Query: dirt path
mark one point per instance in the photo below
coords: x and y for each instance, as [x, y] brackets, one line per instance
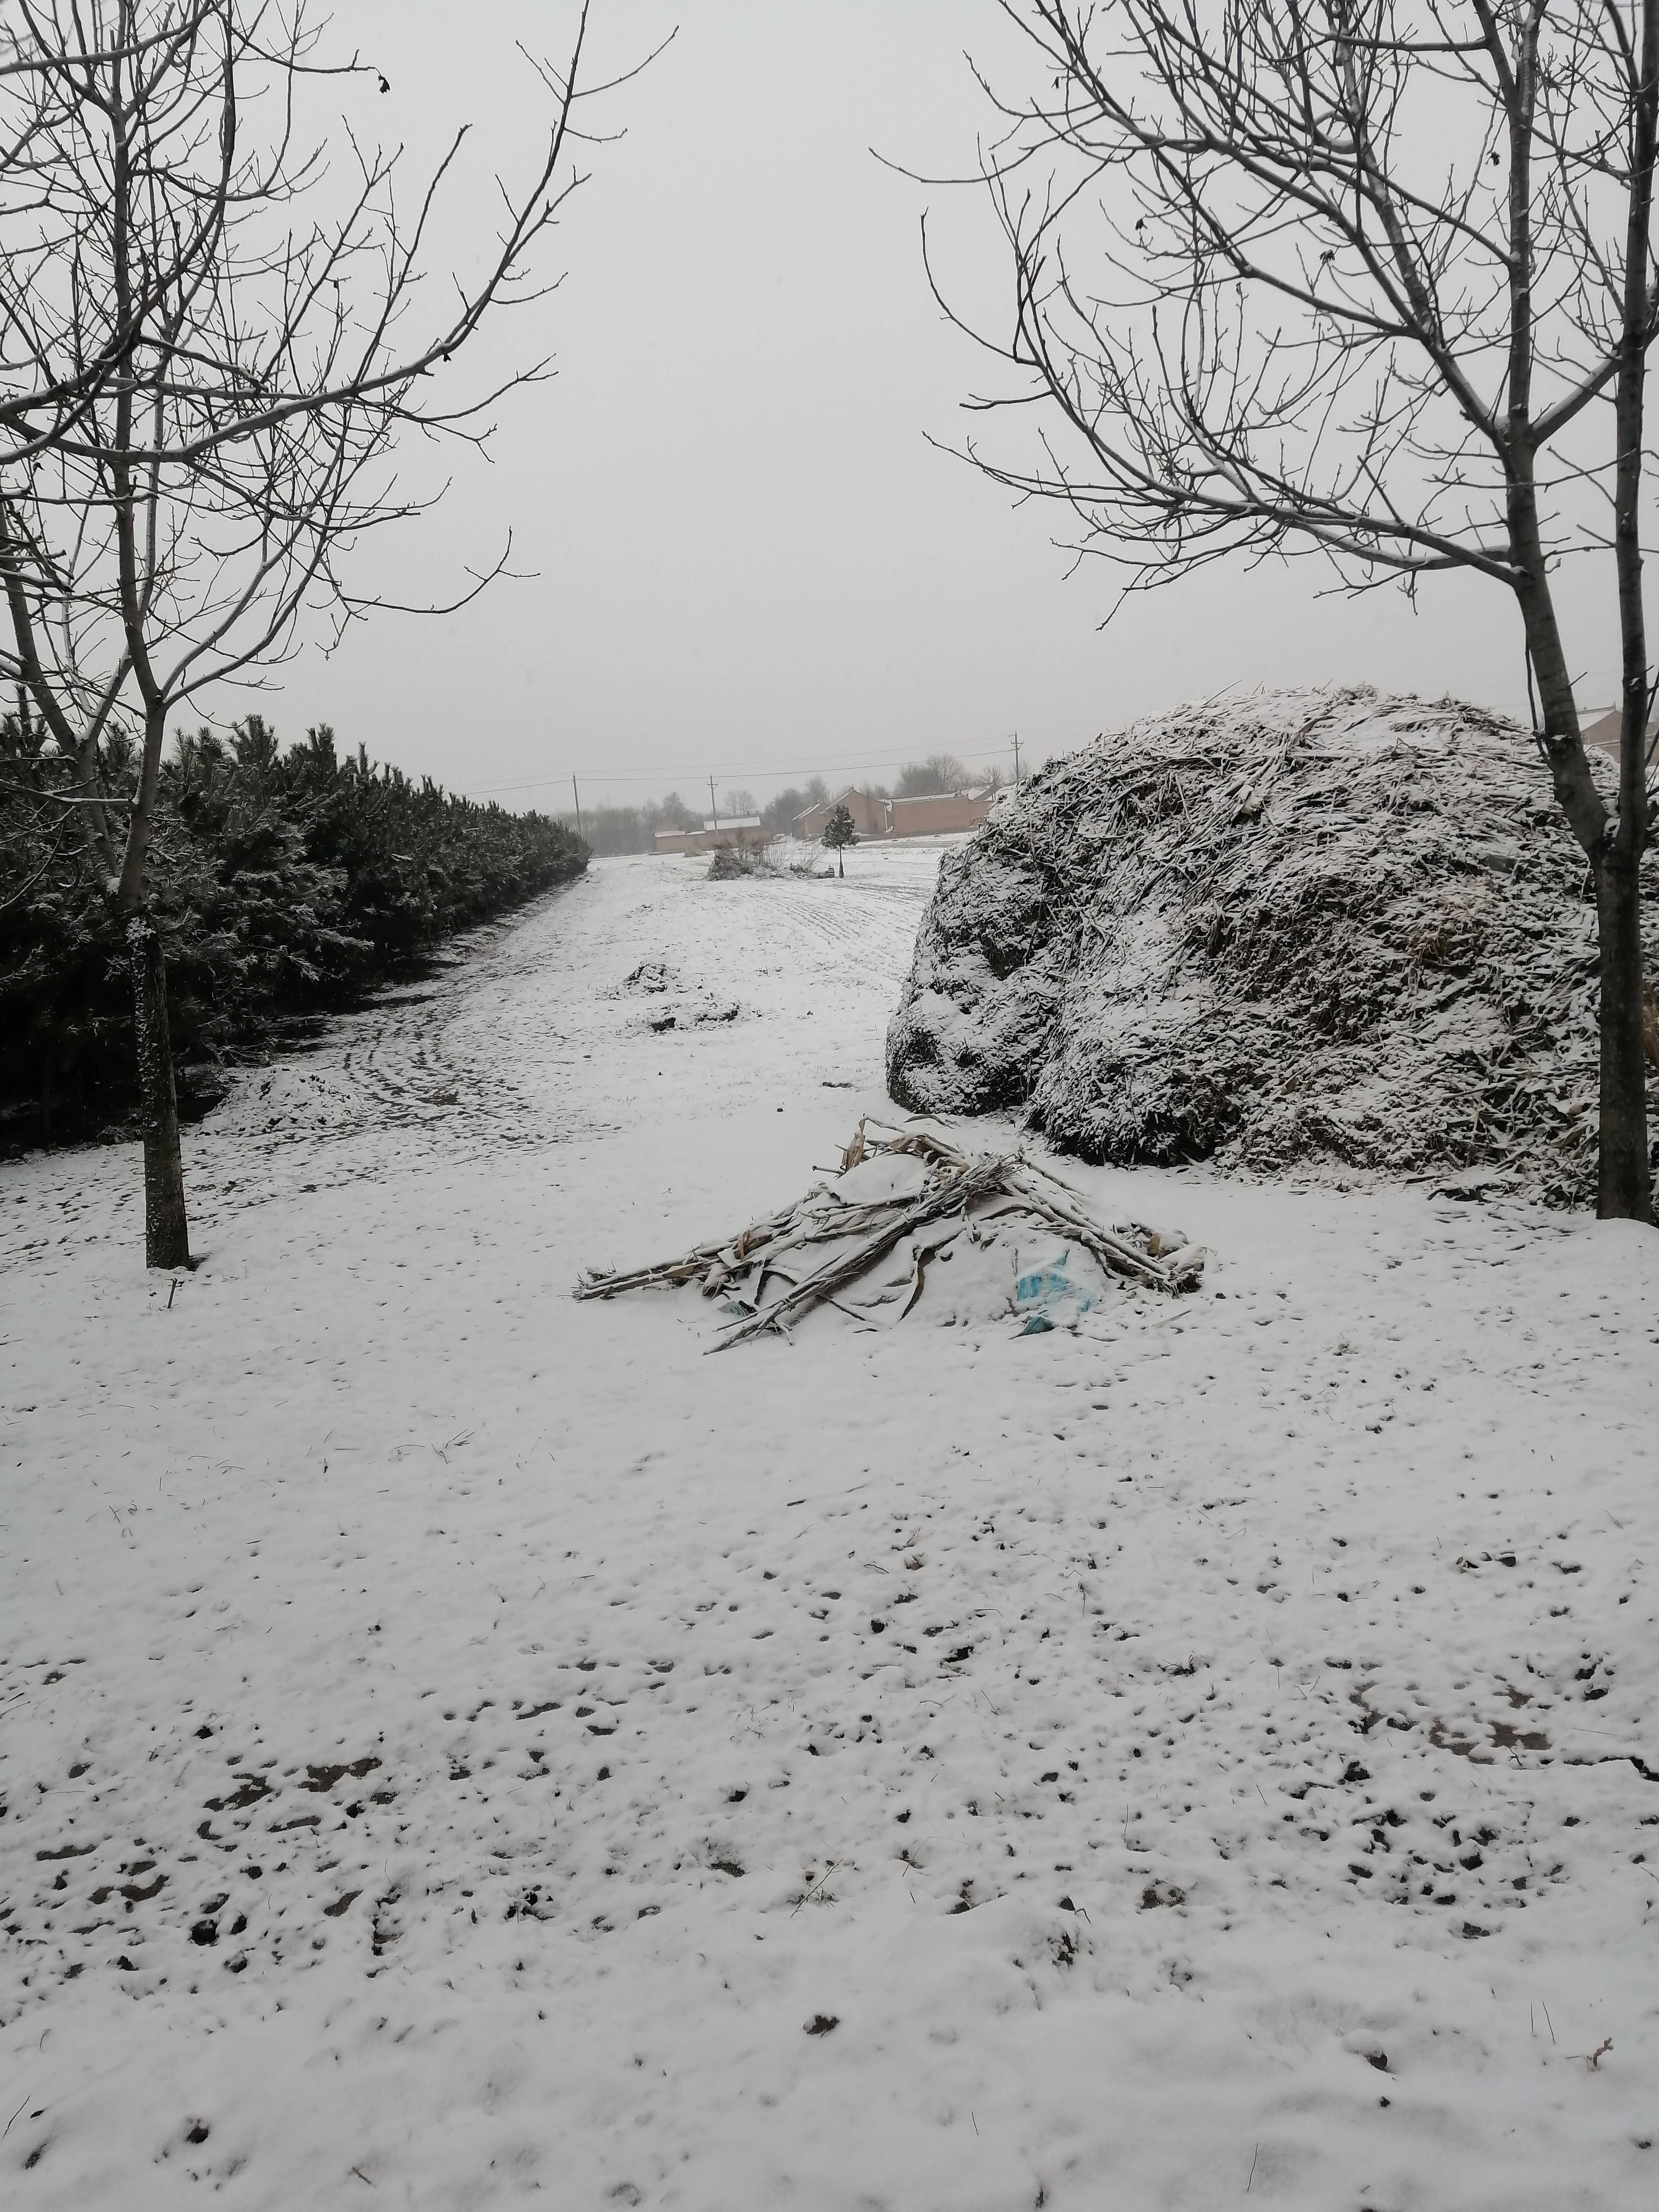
[458, 1743]
[495, 1052]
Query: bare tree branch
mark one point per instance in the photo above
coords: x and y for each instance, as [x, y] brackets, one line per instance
[208, 353]
[1359, 273]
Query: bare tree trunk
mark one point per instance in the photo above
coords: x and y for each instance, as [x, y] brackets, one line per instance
[1624, 1178]
[167, 1230]
[1625, 1181]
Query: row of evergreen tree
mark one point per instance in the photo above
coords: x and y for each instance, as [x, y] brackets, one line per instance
[285, 884]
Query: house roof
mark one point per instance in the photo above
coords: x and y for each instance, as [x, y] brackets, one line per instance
[932, 798]
[732, 822]
[838, 799]
[1604, 732]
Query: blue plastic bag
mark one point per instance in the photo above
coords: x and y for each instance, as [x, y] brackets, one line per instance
[1050, 1298]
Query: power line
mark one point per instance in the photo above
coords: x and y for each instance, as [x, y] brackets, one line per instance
[683, 774]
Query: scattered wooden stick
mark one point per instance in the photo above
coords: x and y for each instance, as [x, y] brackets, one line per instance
[956, 1194]
[600, 1283]
[865, 1231]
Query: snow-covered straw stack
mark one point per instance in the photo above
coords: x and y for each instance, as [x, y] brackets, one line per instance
[772, 1272]
[1320, 929]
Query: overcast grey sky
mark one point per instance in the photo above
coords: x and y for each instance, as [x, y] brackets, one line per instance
[748, 561]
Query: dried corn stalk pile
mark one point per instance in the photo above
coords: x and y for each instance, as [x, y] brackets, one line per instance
[1313, 929]
[815, 1251]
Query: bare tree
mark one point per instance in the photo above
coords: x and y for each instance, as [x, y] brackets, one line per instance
[1373, 279]
[778, 815]
[940, 773]
[209, 345]
[44, 389]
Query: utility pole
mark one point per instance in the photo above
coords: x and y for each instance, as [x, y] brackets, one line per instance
[713, 809]
[577, 796]
[1016, 760]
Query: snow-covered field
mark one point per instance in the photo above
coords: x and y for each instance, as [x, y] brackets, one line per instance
[458, 1743]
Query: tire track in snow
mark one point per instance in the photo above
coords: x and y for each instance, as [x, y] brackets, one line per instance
[880, 1679]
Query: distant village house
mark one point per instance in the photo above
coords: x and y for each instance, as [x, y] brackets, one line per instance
[1604, 734]
[936, 816]
[744, 832]
[875, 819]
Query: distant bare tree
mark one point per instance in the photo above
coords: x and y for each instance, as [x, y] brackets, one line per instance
[779, 811]
[739, 803]
[208, 348]
[1369, 278]
[940, 773]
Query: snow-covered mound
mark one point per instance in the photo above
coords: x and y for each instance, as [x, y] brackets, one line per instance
[1317, 926]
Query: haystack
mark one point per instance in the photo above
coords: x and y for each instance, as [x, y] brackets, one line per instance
[1325, 930]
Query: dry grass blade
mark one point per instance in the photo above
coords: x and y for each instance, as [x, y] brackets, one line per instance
[1112, 1252]
[957, 1194]
[704, 1260]
[864, 1230]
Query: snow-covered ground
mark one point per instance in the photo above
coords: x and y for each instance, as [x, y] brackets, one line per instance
[459, 1743]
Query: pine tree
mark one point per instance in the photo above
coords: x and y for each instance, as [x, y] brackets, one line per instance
[839, 832]
[283, 884]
